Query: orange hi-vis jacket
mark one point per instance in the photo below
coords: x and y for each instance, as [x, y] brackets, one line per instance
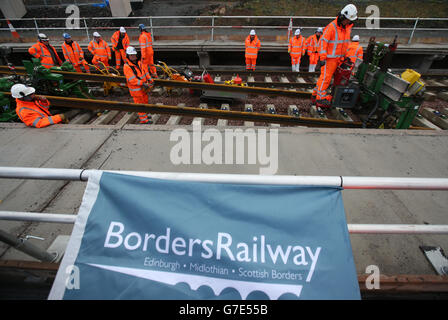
[35, 113]
[354, 51]
[115, 38]
[252, 47]
[42, 52]
[100, 51]
[312, 44]
[334, 41]
[73, 53]
[136, 81]
[145, 41]
[297, 46]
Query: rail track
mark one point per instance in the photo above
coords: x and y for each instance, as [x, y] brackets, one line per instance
[275, 98]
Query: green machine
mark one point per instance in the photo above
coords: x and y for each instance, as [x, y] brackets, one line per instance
[47, 82]
[7, 110]
[386, 100]
[380, 98]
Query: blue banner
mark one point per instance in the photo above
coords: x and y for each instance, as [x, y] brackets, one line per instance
[144, 238]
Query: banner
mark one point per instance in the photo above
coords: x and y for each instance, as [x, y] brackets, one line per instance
[145, 238]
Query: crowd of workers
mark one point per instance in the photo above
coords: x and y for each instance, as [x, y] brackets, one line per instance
[327, 48]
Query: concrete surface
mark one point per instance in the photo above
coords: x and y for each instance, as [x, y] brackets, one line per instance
[302, 151]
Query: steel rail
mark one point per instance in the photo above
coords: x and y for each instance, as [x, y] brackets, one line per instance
[257, 87]
[94, 105]
[211, 70]
[179, 84]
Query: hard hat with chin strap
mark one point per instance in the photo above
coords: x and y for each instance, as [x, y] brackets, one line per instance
[297, 32]
[141, 26]
[320, 29]
[122, 30]
[20, 90]
[66, 35]
[131, 50]
[355, 38]
[252, 32]
[350, 12]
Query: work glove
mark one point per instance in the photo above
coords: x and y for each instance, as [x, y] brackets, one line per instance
[322, 63]
[289, 50]
[64, 118]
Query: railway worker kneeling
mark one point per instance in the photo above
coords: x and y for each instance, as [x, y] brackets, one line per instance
[34, 110]
[139, 81]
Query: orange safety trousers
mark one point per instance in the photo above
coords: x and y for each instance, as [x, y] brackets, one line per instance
[85, 65]
[119, 56]
[143, 99]
[149, 62]
[251, 63]
[326, 74]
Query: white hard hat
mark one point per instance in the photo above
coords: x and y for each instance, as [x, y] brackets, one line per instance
[252, 32]
[122, 30]
[297, 32]
[96, 34]
[43, 36]
[131, 50]
[355, 38]
[320, 29]
[350, 12]
[20, 90]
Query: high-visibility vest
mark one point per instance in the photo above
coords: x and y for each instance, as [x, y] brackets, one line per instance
[297, 46]
[334, 41]
[100, 49]
[252, 47]
[36, 113]
[73, 52]
[312, 44]
[41, 52]
[145, 41]
[115, 38]
[354, 51]
[135, 80]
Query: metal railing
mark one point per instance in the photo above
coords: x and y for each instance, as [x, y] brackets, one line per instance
[346, 182]
[87, 25]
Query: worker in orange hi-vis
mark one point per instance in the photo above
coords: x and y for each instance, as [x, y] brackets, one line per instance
[34, 110]
[145, 41]
[100, 50]
[139, 81]
[73, 53]
[354, 50]
[253, 45]
[312, 47]
[296, 49]
[120, 42]
[333, 48]
[45, 52]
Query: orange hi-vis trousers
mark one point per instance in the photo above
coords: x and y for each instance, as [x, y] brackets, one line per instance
[149, 61]
[119, 55]
[142, 116]
[85, 64]
[326, 74]
[251, 63]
